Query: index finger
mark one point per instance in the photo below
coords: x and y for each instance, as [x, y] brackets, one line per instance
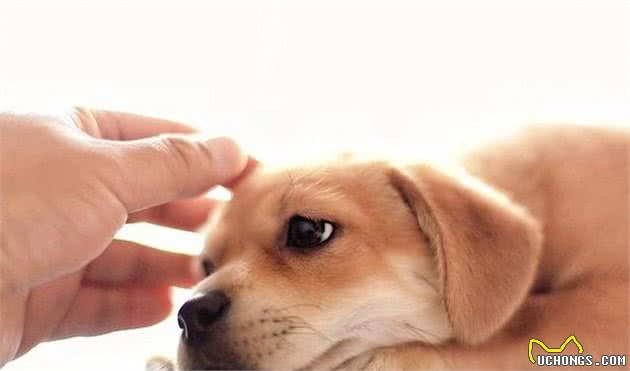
[186, 214]
[128, 126]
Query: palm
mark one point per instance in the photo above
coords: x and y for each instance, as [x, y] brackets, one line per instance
[57, 297]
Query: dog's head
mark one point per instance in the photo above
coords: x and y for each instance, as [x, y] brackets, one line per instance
[311, 266]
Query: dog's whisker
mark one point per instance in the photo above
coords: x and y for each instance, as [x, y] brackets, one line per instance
[312, 333]
[299, 327]
[316, 333]
[295, 323]
[420, 332]
[313, 330]
[429, 283]
[293, 318]
[316, 306]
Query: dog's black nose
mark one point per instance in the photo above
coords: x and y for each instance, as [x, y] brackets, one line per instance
[197, 315]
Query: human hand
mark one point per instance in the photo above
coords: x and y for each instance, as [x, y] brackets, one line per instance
[68, 183]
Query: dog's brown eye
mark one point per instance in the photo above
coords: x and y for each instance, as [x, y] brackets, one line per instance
[306, 233]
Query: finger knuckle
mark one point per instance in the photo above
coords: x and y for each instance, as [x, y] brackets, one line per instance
[180, 153]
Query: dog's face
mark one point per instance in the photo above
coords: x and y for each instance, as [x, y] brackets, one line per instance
[309, 267]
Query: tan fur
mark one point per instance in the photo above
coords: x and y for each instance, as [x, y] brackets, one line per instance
[482, 241]
[428, 268]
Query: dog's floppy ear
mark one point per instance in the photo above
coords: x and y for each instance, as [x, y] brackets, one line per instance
[486, 247]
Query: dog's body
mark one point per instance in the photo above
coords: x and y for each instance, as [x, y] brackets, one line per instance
[423, 268]
[575, 182]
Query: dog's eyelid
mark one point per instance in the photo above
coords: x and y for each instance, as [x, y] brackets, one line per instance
[312, 214]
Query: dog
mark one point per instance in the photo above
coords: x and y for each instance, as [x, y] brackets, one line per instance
[374, 265]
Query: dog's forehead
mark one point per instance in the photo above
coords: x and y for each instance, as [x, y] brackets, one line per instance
[309, 183]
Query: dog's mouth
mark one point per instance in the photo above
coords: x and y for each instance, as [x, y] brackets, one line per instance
[333, 357]
[251, 339]
[236, 349]
[190, 358]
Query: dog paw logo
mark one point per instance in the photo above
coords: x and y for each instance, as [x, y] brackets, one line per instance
[560, 349]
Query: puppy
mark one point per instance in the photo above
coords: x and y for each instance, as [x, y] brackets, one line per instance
[369, 265]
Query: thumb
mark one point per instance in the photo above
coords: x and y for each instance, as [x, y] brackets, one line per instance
[158, 170]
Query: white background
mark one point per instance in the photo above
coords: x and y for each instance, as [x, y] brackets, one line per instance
[298, 80]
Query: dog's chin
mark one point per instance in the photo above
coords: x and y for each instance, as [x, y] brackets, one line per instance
[204, 359]
[189, 358]
[196, 364]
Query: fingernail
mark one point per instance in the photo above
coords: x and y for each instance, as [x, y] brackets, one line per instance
[227, 157]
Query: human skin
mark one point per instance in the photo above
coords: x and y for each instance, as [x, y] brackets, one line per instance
[68, 183]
